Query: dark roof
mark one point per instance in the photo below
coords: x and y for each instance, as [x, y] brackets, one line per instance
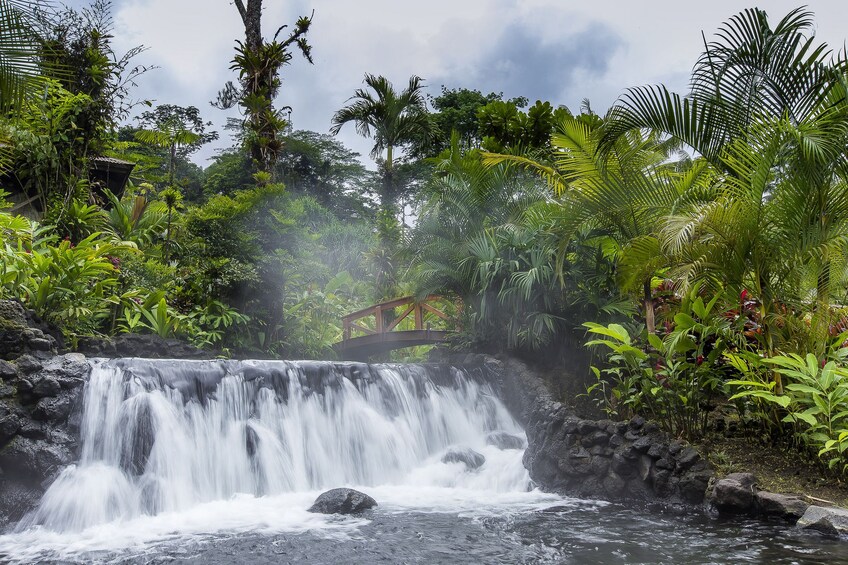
[112, 160]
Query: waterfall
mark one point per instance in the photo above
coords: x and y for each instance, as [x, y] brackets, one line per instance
[162, 437]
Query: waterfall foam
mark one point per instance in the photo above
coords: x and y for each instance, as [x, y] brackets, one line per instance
[167, 442]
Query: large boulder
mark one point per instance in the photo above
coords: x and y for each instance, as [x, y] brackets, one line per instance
[828, 521]
[503, 440]
[783, 506]
[471, 458]
[735, 494]
[342, 501]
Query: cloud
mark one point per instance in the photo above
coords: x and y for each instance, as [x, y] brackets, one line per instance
[521, 62]
[546, 49]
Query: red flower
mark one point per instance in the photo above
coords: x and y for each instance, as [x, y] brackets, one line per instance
[700, 359]
[743, 295]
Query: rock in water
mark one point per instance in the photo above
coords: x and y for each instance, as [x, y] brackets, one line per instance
[471, 458]
[828, 521]
[503, 440]
[342, 501]
[734, 494]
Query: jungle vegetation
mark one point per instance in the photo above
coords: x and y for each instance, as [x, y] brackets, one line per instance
[698, 242]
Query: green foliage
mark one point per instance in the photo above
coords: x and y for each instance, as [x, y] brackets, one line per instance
[673, 380]
[69, 284]
[20, 72]
[48, 148]
[503, 127]
[135, 219]
[456, 111]
[815, 403]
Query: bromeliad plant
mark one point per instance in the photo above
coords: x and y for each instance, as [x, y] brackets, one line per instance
[674, 380]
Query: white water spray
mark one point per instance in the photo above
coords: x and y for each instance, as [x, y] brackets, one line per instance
[163, 437]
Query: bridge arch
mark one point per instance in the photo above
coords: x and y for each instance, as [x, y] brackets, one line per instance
[367, 332]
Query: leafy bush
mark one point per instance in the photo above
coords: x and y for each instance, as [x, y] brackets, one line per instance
[673, 380]
[69, 284]
[815, 402]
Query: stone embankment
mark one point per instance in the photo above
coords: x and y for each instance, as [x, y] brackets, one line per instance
[40, 401]
[617, 461]
[633, 460]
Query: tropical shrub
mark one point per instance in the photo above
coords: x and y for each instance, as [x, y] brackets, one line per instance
[815, 402]
[69, 284]
[674, 380]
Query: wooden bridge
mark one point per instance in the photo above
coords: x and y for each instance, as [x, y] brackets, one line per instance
[381, 328]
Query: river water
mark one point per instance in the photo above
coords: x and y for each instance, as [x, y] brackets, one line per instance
[218, 461]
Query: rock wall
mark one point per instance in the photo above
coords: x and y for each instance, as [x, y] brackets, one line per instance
[40, 405]
[136, 345]
[594, 458]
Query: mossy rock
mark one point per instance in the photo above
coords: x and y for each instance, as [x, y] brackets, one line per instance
[12, 315]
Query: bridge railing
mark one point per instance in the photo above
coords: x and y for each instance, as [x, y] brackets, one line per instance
[360, 321]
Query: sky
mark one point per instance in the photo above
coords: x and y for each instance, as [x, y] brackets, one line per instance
[562, 51]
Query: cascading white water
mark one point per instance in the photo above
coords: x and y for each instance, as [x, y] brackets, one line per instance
[162, 437]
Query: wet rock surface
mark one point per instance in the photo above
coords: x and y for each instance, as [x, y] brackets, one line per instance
[40, 399]
[503, 440]
[735, 494]
[342, 501]
[827, 521]
[23, 333]
[471, 458]
[38, 427]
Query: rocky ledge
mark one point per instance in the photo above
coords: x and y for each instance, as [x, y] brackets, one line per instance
[40, 406]
[738, 494]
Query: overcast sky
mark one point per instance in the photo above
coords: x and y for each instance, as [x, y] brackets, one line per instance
[557, 50]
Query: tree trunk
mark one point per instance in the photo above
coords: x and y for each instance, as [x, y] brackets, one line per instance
[251, 16]
[648, 303]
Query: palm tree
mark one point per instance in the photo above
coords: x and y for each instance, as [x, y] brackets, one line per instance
[482, 236]
[171, 135]
[750, 73]
[622, 195]
[20, 68]
[393, 119]
[768, 108]
[19, 51]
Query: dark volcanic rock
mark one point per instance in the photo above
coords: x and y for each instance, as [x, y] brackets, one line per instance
[630, 460]
[734, 494]
[7, 370]
[503, 440]
[17, 499]
[828, 521]
[39, 422]
[342, 501]
[784, 506]
[28, 364]
[45, 386]
[471, 458]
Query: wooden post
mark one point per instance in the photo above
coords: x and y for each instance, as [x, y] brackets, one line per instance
[378, 312]
[346, 331]
[419, 317]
